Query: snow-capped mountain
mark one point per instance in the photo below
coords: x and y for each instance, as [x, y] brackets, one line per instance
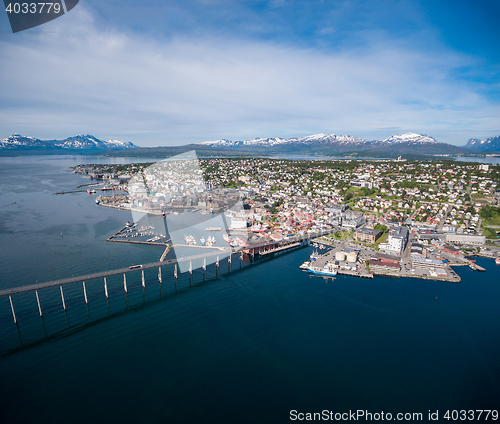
[254, 142]
[332, 144]
[491, 144]
[79, 142]
[89, 141]
[17, 140]
[410, 138]
[271, 142]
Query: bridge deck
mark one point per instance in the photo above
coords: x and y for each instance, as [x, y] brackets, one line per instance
[277, 244]
[102, 274]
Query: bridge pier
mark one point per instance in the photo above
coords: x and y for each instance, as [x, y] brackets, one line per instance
[62, 298]
[12, 307]
[85, 293]
[106, 288]
[143, 279]
[125, 282]
[38, 301]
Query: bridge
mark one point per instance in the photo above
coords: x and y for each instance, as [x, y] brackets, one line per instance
[262, 248]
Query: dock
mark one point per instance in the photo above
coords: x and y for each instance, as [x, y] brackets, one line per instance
[279, 249]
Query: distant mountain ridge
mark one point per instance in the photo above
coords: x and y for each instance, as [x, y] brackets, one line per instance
[17, 142]
[491, 144]
[317, 144]
[334, 144]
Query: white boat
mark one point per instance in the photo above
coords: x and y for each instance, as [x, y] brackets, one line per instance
[322, 271]
[305, 265]
[314, 256]
[190, 240]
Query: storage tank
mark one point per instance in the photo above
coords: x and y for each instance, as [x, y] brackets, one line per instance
[351, 257]
[340, 256]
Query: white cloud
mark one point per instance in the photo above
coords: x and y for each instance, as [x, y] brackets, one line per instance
[151, 92]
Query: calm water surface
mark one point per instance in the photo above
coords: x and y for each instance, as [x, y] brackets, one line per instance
[246, 344]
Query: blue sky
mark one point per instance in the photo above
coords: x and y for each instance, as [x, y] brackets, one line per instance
[176, 72]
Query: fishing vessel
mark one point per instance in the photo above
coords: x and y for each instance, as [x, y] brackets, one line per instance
[190, 240]
[322, 271]
[202, 241]
[210, 241]
[314, 256]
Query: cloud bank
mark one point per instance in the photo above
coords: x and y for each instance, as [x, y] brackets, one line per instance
[81, 78]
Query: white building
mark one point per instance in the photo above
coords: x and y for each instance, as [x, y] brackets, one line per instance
[396, 243]
[238, 224]
[465, 239]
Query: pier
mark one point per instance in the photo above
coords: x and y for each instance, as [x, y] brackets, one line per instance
[272, 246]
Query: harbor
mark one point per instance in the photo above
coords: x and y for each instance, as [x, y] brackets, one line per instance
[349, 258]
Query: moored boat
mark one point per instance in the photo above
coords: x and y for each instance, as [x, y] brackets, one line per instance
[190, 240]
[305, 265]
[322, 271]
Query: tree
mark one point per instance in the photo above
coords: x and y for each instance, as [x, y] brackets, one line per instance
[381, 227]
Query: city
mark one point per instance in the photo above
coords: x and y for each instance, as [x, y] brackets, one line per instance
[393, 218]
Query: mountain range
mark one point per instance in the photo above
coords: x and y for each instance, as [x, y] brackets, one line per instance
[318, 144]
[333, 144]
[491, 144]
[79, 143]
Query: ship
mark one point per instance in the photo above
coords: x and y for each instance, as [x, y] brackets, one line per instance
[190, 240]
[497, 261]
[202, 241]
[210, 241]
[322, 271]
[314, 256]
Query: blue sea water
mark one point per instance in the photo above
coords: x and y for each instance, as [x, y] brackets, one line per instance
[246, 343]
